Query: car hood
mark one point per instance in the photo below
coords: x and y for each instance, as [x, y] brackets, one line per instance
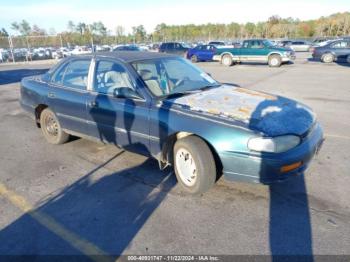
[258, 111]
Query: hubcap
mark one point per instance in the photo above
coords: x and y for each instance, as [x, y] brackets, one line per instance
[274, 61]
[226, 61]
[328, 58]
[51, 126]
[186, 167]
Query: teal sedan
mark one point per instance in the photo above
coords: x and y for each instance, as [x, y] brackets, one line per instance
[163, 106]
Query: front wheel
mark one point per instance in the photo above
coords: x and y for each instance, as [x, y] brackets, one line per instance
[194, 59]
[328, 58]
[275, 61]
[51, 128]
[194, 165]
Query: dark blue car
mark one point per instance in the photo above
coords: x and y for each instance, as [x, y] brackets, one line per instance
[201, 53]
[338, 50]
[163, 106]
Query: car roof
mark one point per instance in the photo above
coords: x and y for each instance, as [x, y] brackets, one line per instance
[131, 56]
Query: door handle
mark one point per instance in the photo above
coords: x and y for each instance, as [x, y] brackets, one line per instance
[51, 94]
[93, 104]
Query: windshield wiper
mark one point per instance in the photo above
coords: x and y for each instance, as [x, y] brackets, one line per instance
[209, 86]
[188, 92]
[178, 94]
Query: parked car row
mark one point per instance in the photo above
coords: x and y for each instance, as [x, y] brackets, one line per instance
[273, 53]
[253, 50]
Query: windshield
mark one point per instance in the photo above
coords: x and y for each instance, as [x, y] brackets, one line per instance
[167, 76]
[268, 43]
[186, 45]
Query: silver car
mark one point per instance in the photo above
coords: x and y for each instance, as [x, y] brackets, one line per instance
[300, 46]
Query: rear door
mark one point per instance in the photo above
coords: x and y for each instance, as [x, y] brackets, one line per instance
[200, 52]
[68, 94]
[244, 51]
[210, 51]
[256, 51]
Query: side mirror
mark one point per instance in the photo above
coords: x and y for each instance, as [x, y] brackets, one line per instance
[126, 92]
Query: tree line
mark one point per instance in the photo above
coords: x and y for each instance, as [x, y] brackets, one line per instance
[275, 27]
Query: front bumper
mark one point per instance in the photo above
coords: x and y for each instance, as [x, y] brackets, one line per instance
[288, 58]
[266, 168]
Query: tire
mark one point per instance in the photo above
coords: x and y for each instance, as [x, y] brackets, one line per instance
[348, 59]
[275, 61]
[201, 160]
[51, 128]
[194, 59]
[328, 58]
[226, 60]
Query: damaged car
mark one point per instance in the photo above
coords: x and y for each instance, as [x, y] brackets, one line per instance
[163, 106]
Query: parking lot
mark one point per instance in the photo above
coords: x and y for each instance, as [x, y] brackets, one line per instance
[87, 198]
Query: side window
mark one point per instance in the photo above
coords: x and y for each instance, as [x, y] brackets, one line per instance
[58, 75]
[110, 76]
[170, 46]
[245, 44]
[76, 74]
[341, 44]
[256, 44]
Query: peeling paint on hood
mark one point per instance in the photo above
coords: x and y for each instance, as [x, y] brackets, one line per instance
[269, 114]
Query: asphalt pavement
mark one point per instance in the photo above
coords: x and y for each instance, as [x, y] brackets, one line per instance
[89, 198]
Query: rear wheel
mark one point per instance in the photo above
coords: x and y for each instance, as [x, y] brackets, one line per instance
[194, 165]
[226, 60]
[275, 61]
[348, 59]
[328, 58]
[51, 128]
[194, 59]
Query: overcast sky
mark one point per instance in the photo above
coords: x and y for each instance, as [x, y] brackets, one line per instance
[130, 13]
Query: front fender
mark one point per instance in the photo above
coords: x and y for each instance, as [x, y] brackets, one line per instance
[222, 135]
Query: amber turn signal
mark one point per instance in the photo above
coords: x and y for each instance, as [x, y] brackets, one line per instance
[290, 167]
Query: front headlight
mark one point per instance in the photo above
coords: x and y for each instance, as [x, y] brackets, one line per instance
[277, 144]
[287, 53]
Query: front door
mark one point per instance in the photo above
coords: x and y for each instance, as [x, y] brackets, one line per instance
[341, 49]
[116, 112]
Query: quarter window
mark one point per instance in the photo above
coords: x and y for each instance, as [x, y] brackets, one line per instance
[58, 76]
[76, 74]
